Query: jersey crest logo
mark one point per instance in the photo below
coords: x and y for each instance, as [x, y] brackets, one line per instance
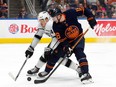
[72, 32]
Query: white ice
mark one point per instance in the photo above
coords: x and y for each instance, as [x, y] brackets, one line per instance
[102, 66]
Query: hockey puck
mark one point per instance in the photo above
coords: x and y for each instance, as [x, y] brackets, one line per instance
[29, 78]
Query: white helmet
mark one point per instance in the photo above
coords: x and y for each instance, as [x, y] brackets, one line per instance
[43, 15]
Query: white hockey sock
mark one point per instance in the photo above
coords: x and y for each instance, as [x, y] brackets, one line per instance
[69, 63]
[41, 62]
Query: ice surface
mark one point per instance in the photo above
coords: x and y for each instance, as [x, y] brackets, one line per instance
[101, 57]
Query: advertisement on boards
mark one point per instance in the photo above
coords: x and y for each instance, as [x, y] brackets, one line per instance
[27, 28]
[18, 28]
[105, 28]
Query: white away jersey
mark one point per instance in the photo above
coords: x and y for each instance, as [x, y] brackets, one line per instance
[47, 30]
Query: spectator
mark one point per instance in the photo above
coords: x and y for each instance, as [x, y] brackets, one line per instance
[75, 4]
[52, 5]
[22, 14]
[102, 2]
[83, 2]
[113, 12]
[62, 5]
[43, 4]
[55, 3]
[4, 10]
[103, 15]
[114, 15]
[23, 4]
[3, 1]
[101, 11]
[108, 8]
[68, 6]
[111, 1]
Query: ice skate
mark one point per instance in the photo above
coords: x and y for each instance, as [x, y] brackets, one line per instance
[33, 71]
[43, 74]
[86, 78]
[79, 71]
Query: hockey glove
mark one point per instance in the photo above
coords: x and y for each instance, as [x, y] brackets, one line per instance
[68, 51]
[47, 53]
[92, 22]
[29, 52]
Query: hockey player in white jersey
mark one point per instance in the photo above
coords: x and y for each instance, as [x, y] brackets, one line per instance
[45, 27]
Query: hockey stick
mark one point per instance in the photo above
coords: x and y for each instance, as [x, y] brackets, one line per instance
[15, 78]
[44, 80]
[11, 75]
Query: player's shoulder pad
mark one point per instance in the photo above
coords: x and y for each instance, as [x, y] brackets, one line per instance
[69, 11]
[80, 10]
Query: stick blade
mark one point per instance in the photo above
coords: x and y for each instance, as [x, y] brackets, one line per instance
[11, 75]
[39, 81]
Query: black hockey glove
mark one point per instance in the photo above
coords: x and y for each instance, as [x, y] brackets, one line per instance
[92, 22]
[68, 51]
[47, 53]
[29, 52]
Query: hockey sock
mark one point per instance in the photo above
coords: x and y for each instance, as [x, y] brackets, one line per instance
[69, 63]
[49, 66]
[84, 65]
[41, 62]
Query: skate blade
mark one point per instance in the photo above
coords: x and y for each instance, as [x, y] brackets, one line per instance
[88, 81]
[41, 77]
[31, 74]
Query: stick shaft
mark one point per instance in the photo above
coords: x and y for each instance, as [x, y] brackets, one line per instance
[21, 69]
[79, 39]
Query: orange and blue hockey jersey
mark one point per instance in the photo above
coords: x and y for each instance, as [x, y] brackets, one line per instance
[71, 28]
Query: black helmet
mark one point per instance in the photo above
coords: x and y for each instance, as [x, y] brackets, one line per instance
[54, 12]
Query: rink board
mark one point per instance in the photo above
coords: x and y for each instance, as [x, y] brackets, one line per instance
[22, 31]
[47, 40]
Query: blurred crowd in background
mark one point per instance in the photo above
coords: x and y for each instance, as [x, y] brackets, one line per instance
[100, 8]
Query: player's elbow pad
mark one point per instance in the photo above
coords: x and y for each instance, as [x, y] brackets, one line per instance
[92, 22]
